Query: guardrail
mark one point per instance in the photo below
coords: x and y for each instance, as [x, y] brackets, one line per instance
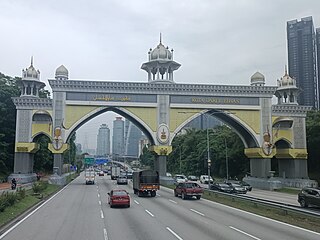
[282, 206]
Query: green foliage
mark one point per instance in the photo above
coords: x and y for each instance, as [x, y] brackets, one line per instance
[147, 157]
[8, 199]
[43, 158]
[313, 141]
[70, 154]
[38, 187]
[192, 149]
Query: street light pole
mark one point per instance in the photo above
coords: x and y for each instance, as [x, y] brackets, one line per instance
[208, 155]
[180, 158]
[227, 165]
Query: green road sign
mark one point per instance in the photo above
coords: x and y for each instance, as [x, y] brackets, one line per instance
[89, 161]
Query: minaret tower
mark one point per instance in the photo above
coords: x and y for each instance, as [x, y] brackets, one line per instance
[30, 84]
[287, 91]
[160, 66]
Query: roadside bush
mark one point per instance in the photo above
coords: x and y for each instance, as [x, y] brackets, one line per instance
[7, 199]
[38, 187]
[21, 193]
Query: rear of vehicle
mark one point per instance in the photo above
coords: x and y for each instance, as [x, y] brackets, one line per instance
[205, 179]
[188, 190]
[222, 187]
[89, 177]
[237, 188]
[119, 198]
[146, 182]
[180, 179]
[192, 178]
[122, 180]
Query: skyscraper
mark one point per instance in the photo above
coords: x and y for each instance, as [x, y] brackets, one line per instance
[302, 59]
[103, 141]
[318, 62]
[118, 137]
[132, 137]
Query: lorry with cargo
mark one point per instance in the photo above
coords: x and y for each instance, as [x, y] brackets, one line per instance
[89, 176]
[115, 172]
[146, 182]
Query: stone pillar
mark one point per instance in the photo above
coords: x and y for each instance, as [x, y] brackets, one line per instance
[260, 167]
[160, 165]
[58, 163]
[293, 168]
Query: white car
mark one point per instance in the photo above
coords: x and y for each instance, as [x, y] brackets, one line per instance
[180, 178]
[205, 179]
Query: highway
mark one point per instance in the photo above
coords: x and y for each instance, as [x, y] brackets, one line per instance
[81, 212]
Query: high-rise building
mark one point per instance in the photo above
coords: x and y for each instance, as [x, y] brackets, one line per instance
[118, 137]
[302, 59]
[132, 137]
[318, 62]
[103, 141]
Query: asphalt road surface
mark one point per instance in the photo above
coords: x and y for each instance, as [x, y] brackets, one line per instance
[81, 212]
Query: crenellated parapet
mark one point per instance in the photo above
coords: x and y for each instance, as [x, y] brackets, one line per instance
[32, 103]
[290, 110]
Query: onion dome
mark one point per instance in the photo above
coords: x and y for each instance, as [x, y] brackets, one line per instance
[257, 79]
[160, 52]
[62, 73]
[31, 73]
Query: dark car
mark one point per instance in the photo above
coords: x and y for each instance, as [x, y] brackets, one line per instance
[309, 196]
[221, 187]
[118, 197]
[237, 188]
[246, 185]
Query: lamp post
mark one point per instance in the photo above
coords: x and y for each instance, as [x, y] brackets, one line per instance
[208, 155]
[180, 158]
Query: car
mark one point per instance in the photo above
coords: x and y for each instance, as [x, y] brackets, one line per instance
[221, 187]
[246, 185]
[188, 190]
[118, 197]
[101, 173]
[205, 179]
[122, 179]
[129, 174]
[309, 196]
[179, 178]
[192, 178]
[237, 188]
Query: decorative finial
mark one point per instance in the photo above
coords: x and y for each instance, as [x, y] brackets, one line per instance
[31, 61]
[160, 39]
[285, 70]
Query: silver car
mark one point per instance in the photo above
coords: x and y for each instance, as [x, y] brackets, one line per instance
[122, 180]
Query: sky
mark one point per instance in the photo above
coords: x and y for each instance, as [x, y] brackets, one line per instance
[215, 41]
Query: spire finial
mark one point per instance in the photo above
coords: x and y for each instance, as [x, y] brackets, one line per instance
[285, 70]
[160, 38]
[31, 61]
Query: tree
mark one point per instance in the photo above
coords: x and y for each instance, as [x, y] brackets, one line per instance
[43, 158]
[147, 157]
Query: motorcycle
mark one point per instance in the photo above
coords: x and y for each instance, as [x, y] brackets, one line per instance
[13, 186]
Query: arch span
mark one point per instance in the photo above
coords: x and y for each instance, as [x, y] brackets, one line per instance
[247, 135]
[121, 111]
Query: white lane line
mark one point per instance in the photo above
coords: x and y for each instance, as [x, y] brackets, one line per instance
[176, 235]
[18, 223]
[173, 201]
[197, 212]
[238, 230]
[101, 213]
[98, 195]
[136, 202]
[99, 202]
[149, 213]
[105, 234]
[158, 195]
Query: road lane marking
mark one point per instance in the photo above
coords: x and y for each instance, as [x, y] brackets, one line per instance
[158, 195]
[176, 235]
[238, 230]
[99, 202]
[265, 218]
[136, 202]
[98, 195]
[102, 216]
[197, 212]
[173, 201]
[149, 213]
[18, 223]
[105, 234]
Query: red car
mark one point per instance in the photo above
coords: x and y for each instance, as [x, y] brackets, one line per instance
[188, 190]
[119, 197]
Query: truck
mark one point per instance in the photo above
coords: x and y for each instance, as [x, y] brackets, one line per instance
[146, 182]
[89, 176]
[188, 190]
[115, 172]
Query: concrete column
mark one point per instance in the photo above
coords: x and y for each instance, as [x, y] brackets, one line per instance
[160, 165]
[260, 167]
[23, 163]
[293, 168]
[58, 162]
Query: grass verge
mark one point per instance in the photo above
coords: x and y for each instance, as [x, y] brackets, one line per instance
[293, 191]
[300, 220]
[21, 206]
